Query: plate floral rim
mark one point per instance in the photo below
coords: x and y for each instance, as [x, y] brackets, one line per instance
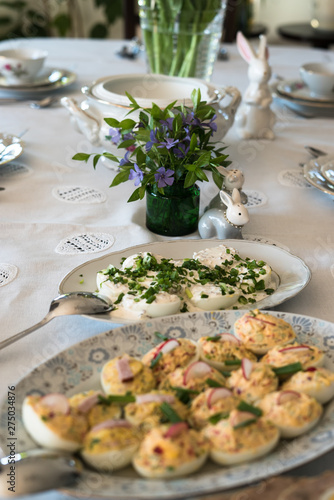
[78, 367]
[77, 280]
[297, 89]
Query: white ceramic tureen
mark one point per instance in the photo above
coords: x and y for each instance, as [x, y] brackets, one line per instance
[106, 98]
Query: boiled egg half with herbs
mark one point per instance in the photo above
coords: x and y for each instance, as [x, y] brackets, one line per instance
[126, 374]
[52, 423]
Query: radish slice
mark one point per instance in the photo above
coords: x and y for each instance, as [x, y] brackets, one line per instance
[124, 370]
[176, 429]
[110, 424]
[56, 402]
[197, 369]
[261, 320]
[217, 394]
[239, 417]
[167, 346]
[89, 402]
[285, 396]
[228, 337]
[298, 348]
[155, 398]
[311, 369]
[247, 367]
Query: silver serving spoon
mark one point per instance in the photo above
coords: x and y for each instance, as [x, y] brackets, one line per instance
[44, 103]
[37, 470]
[315, 152]
[68, 304]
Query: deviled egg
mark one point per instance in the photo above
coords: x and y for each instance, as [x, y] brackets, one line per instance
[261, 331]
[283, 355]
[147, 411]
[294, 413]
[95, 406]
[126, 374]
[111, 445]
[52, 423]
[223, 351]
[169, 355]
[213, 403]
[241, 438]
[252, 381]
[195, 378]
[209, 296]
[316, 382]
[171, 451]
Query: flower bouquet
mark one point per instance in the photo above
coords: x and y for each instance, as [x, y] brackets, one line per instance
[181, 37]
[166, 150]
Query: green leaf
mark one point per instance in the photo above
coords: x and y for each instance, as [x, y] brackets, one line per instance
[95, 160]
[112, 122]
[81, 157]
[110, 156]
[190, 179]
[127, 124]
[122, 176]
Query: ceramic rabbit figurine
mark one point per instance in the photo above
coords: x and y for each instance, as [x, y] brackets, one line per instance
[254, 118]
[217, 223]
[233, 178]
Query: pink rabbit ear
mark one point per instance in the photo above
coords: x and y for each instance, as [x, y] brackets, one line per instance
[245, 49]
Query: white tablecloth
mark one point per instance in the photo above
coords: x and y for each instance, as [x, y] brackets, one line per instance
[34, 222]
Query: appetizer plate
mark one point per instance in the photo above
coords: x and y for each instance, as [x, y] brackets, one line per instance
[51, 79]
[304, 107]
[290, 273]
[78, 368]
[316, 171]
[15, 148]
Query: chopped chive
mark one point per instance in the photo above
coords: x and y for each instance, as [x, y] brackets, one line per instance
[156, 360]
[160, 336]
[117, 398]
[288, 369]
[170, 413]
[243, 406]
[217, 417]
[230, 362]
[213, 383]
[119, 298]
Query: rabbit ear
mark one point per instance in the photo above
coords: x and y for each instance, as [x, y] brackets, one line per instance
[245, 49]
[223, 170]
[263, 52]
[226, 198]
[236, 198]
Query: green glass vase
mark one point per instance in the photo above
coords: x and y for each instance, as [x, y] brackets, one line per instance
[174, 213]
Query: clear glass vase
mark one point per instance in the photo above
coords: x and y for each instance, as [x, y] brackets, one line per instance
[174, 213]
[182, 37]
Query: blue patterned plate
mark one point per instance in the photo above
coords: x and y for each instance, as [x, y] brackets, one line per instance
[78, 369]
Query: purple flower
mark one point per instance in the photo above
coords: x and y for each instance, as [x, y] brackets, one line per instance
[115, 135]
[212, 125]
[128, 137]
[181, 150]
[164, 177]
[153, 140]
[125, 160]
[169, 143]
[168, 123]
[136, 174]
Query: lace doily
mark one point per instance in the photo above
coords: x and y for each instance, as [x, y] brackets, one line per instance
[85, 243]
[293, 178]
[8, 273]
[78, 194]
[255, 198]
[13, 168]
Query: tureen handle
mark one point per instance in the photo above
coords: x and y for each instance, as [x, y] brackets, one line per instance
[82, 121]
[231, 108]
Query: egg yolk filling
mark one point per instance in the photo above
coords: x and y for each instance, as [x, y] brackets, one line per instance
[258, 328]
[143, 380]
[262, 380]
[225, 351]
[115, 439]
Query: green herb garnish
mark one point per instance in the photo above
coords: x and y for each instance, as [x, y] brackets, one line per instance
[231, 362]
[243, 406]
[217, 417]
[288, 369]
[156, 360]
[170, 413]
[213, 383]
[115, 398]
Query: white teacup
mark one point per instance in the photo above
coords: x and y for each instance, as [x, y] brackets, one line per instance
[20, 66]
[319, 77]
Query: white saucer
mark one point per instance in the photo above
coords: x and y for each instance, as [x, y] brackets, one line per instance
[50, 79]
[314, 175]
[303, 107]
[15, 147]
[296, 89]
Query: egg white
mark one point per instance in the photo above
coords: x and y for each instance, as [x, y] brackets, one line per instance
[225, 458]
[182, 470]
[289, 431]
[215, 300]
[42, 434]
[110, 460]
[321, 392]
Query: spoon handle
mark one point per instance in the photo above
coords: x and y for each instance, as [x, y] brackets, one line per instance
[22, 334]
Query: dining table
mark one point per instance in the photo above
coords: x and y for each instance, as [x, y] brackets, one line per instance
[57, 213]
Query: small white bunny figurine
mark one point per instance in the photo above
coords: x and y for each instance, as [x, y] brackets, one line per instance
[233, 178]
[254, 118]
[217, 223]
